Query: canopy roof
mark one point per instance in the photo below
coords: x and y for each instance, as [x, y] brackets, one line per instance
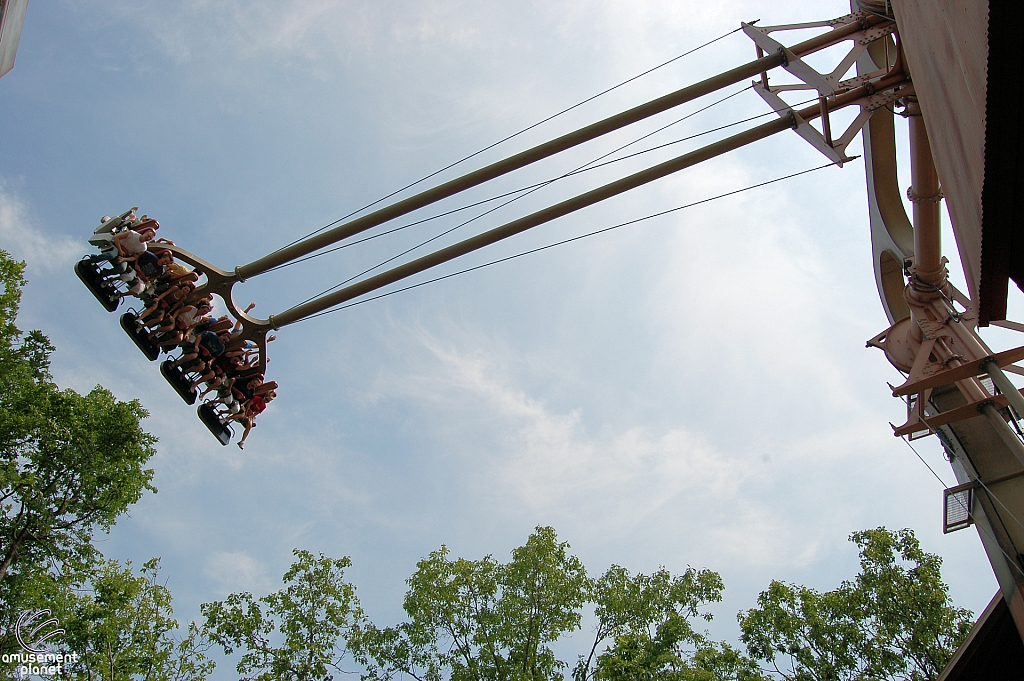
[965, 57]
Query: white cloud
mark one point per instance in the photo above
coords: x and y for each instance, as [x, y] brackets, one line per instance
[237, 571]
[25, 240]
[311, 30]
[549, 465]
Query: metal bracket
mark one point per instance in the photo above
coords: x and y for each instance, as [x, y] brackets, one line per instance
[220, 282]
[791, 63]
[828, 86]
[825, 84]
[835, 151]
[960, 373]
[833, 148]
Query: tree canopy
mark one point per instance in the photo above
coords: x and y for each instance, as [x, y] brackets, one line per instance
[68, 463]
[481, 619]
[121, 627]
[485, 620]
[895, 620]
[310, 619]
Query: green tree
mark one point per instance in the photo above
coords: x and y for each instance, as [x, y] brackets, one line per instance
[481, 619]
[811, 634]
[484, 620]
[69, 464]
[894, 621]
[309, 618]
[648, 620]
[476, 620]
[670, 654]
[121, 627]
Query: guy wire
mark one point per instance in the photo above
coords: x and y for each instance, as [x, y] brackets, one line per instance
[569, 240]
[505, 139]
[1009, 560]
[538, 185]
[532, 190]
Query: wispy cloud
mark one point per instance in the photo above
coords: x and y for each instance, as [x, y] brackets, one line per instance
[237, 571]
[548, 464]
[313, 30]
[24, 238]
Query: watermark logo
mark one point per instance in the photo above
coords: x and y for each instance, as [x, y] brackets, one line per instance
[34, 630]
[32, 639]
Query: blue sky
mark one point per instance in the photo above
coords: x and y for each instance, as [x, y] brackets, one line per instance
[692, 390]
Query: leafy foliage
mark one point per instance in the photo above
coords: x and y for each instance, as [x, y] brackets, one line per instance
[311, 614]
[484, 620]
[481, 619]
[121, 627]
[69, 464]
[894, 621]
[648, 619]
[665, 656]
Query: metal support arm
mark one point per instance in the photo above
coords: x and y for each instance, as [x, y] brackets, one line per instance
[542, 151]
[852, 97]
[522, 224]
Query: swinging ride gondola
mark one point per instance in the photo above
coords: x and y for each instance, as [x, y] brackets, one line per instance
[942, 65]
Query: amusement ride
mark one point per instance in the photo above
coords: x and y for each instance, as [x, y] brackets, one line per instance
[951, 68]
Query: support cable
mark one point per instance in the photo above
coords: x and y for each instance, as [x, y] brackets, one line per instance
[532, 220]
[926, 464]
[532, 189]
[502, 205]
[1009, 560]
[513, 135]
[550, 148]
[569, 240]
[585, 167]
[589, 198]
[508, 165]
